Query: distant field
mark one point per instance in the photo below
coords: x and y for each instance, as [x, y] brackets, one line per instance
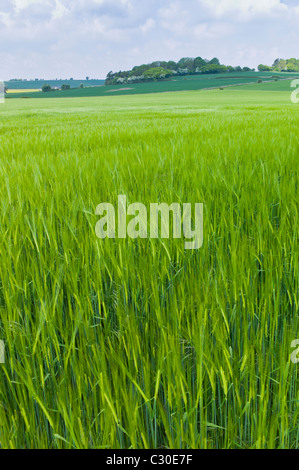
[37, 84]
[282, 85]
[186, 83]
[22, 91]
[140, 344]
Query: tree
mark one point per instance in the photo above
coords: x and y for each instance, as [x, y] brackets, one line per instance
[276, 62]
[186, 63]
[158, 63]
[87, 78]
[172, 65]
[65, 87]
[264, 68]
[46, 88]
[199, 63]
[214, 61]
[156, 73]
[293, 65]
[139, 70]
[160, 70]
[213, 68]
[82, 85]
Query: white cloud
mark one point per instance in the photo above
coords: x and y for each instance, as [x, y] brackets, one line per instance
[212, 30]
[90, 37]
[175, 18]
[148, 25]
[20, 5]
[60, 10]
[6, 20]
[245, 9]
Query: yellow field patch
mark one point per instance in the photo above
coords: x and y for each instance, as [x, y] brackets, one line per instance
[23, 91]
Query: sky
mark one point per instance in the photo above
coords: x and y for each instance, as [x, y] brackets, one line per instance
[79, 38]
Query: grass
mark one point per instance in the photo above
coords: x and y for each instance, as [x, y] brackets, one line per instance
[140, 344]
[281, 85]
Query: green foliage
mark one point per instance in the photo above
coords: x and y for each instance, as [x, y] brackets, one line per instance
[157, 72]
[213, 68]
[138, 71]
[199, 63]
[171, 65]
[65, 87]
[138, 343]
[185, 66]
[264, 68]
[214, 61]
[186, 63]
[46, 88]
[283, 65]
[293, 65]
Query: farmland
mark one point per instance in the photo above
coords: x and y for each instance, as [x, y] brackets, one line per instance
[139, 343]
[37, 84]
[33, 90]
[180, 83]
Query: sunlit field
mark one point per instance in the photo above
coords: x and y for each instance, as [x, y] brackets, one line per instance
[22, 91]
[141, 343]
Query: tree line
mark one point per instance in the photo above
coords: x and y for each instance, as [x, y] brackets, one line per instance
[47, 88]
[281, 65]
[161, 70]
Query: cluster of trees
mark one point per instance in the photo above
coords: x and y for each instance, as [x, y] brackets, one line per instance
[281, 65]
[163, 70]
[47, 88]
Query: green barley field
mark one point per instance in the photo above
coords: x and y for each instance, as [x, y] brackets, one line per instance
[119, 344]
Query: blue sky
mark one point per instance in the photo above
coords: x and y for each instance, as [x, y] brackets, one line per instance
[79, 38]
